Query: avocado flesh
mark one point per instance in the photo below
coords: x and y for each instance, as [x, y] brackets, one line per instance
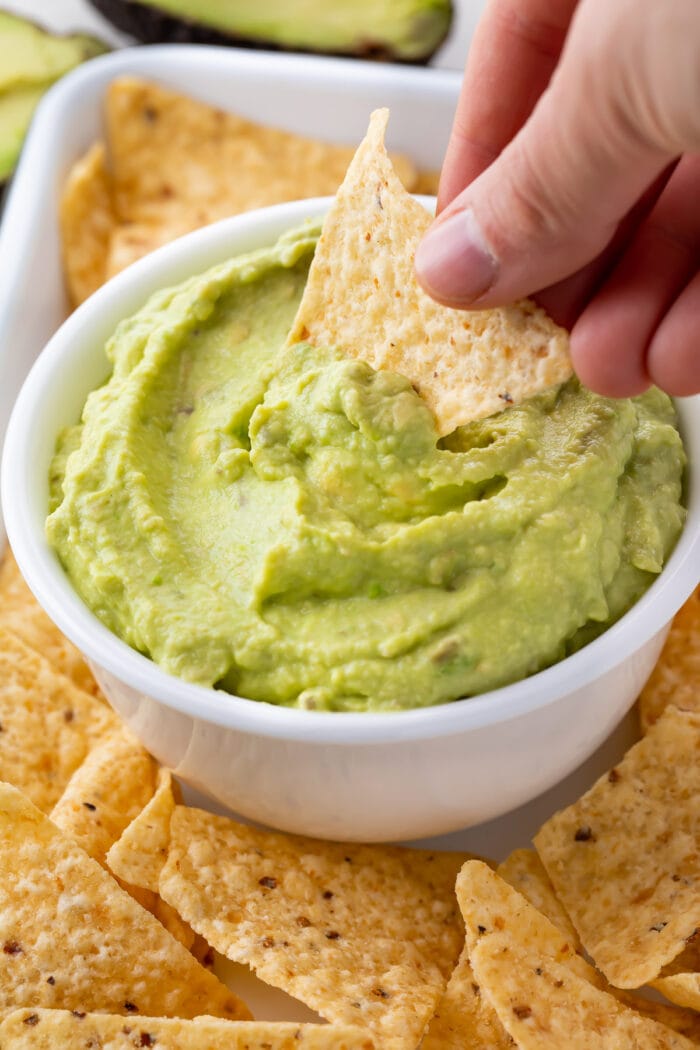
[16, 109]
[31, 55]
[31, 60]
[403, 30]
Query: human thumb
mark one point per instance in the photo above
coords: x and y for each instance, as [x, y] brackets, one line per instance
[619, 107]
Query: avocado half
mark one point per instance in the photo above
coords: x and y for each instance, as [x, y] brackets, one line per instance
[392, 30]
[31, 60]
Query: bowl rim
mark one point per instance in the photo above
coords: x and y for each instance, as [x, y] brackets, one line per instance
[53, 590]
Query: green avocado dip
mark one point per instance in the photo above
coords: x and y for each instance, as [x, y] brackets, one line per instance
[287, 526]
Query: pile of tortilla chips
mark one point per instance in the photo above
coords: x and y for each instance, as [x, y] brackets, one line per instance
[114, 894]
[170, 164]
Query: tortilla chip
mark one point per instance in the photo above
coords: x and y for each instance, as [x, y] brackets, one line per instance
[490, 906]
[48, 1029]
[179, 164]
[624, 859]
[22, 614]
[86, 220]
[464, 1019]
[363, 298]
[361, 934]
[686, 1022]
[106, 793]
[134, 240]
[680, 980]
[139, 855]
[676, 677]
[47, 725]
[515, 950]
[72, 939]
[110, 789]
[681, 988]
[177, 928]
[544, 1005]
[525, 872]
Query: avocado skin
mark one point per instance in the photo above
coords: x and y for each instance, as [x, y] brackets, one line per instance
[151, 25]
[22, 90]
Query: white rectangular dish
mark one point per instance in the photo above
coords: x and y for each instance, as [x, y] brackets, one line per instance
[326, 98]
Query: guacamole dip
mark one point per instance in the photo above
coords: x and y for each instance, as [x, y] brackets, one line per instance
[287, 526]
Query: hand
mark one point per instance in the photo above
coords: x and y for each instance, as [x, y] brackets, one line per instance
[574, 137]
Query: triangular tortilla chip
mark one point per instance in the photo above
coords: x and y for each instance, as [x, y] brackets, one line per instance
[490, 906]
[178, 164]
[54, 1029]
[505, 933]
[86, 220]
[47, 724]
[681, 988]
[544, 1005]
[525, 872]
[362, 297]
[624, 859]
[110, 789]
[464, 1019]
[362, 934]
[72, 939]
[680, 980]
[21, 613]
[139, 855]
[676, 677]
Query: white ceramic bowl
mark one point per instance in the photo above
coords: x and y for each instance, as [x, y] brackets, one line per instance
[355, 776]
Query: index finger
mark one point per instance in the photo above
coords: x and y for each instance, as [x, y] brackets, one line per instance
[515, 50]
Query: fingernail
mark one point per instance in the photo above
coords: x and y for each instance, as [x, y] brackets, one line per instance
[454, 262]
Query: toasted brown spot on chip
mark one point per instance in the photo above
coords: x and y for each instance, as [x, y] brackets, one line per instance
[584, 834]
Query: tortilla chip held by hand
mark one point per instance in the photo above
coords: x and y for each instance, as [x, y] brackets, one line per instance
[363, 298]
